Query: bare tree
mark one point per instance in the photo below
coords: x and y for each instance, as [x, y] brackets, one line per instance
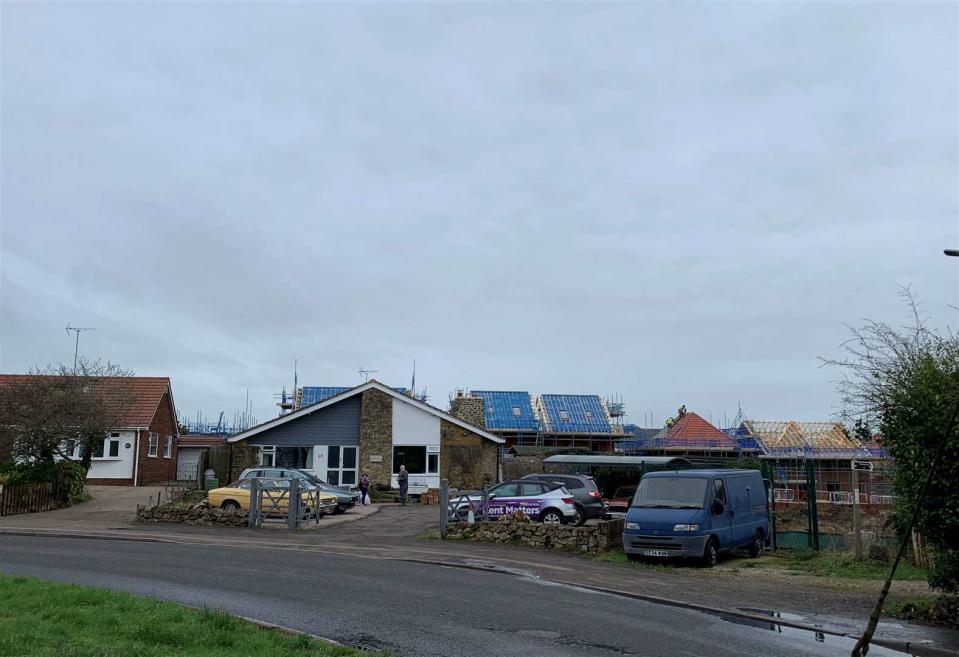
[51, 410]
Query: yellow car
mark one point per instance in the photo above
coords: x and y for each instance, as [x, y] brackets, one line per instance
[275, 498]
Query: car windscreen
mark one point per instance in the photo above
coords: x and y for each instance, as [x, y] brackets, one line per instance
[671, 493]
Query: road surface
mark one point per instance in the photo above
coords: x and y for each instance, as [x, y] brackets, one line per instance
[415, 609]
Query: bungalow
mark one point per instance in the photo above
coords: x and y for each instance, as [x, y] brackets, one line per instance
[142, 448]
[371, 428]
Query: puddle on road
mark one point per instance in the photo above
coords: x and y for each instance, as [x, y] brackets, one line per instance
[838, 644]
[773, 614]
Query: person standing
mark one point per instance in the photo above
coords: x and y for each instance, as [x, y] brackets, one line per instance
[403, 479]
[364, 487]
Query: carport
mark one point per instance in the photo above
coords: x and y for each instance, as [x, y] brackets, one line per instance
[583, 463]
[613, 471]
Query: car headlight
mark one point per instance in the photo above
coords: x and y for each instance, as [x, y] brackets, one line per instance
[632, 525]
[685, 528]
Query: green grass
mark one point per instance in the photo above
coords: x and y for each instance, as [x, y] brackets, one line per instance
[48, 619]
[941, 610]
[842, 564]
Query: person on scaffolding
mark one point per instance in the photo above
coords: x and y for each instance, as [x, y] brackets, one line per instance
[681, 412]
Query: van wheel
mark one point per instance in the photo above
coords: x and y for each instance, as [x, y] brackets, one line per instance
[711, 553]
[757, 546]
[230, 505]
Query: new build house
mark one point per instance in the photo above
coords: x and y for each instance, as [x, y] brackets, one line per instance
[372, 428]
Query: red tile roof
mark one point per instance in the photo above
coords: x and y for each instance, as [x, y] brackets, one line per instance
[146, 392]
[693, 431]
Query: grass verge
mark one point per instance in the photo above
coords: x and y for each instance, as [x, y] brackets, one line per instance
[842, 564]
[939, 610]
[50, 619]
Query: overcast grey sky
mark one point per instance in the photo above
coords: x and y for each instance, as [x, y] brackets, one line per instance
[680, 203]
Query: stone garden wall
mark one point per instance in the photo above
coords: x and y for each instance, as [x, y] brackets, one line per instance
[588, 539]
[197, 514]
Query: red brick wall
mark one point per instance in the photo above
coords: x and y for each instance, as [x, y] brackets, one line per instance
[153, 469]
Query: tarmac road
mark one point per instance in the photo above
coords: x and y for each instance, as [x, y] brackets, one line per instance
[414, 609]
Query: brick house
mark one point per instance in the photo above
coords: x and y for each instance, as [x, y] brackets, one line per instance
[143, 450]
[372, 428]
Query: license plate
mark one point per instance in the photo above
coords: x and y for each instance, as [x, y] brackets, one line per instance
[655, 553]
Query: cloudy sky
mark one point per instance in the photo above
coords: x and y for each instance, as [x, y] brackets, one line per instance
[678, 203]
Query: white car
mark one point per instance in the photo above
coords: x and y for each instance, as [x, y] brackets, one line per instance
[536, 499]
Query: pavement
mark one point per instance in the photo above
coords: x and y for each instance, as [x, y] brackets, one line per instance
[396, 533]
[110, 507]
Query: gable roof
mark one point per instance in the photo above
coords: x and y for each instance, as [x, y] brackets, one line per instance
[372, 384]
[146, 391]
[693, 432]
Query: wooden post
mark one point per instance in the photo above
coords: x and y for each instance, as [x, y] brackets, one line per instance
[293, 505]
[856, 519]
[253, 510]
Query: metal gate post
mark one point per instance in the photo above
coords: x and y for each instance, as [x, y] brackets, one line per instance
[856, 518]
[811, 504]
[293, 505]
[444, 506]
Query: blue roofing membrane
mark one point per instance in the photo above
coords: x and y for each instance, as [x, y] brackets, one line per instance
[507, 409]
[583, 413]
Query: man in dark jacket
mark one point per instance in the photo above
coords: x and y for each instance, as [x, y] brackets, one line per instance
[403, 479]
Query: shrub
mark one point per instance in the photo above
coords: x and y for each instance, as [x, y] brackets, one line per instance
[67, 478]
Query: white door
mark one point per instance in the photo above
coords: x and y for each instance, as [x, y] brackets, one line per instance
[319, 461]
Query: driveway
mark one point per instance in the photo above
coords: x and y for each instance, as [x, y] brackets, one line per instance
[110, 507]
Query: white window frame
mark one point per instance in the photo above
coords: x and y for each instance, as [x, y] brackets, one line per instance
[74, 453]
[517, 411]
[114, 438]
[563, 414]
[168, 448]
[153, 445]
[432, 450]
[268, 451]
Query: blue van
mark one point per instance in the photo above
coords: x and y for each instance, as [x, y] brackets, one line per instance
[697, 513]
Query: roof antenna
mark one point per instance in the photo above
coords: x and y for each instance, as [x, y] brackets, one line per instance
[76, 348]
[366, 374]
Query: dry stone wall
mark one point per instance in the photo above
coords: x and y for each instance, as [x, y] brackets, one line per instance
[588, 539]
[198, 514]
